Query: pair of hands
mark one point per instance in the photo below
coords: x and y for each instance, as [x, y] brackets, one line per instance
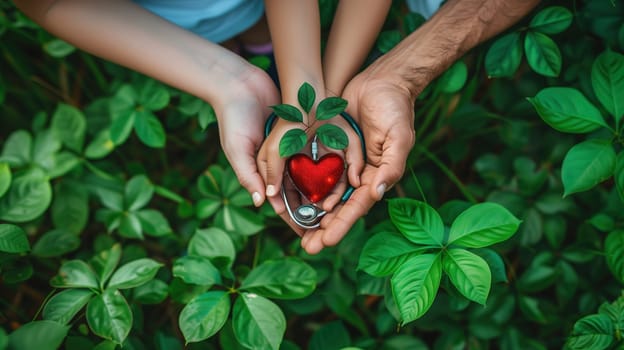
[384, 111]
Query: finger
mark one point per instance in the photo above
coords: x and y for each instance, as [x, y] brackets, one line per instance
[336, 195]
[354, 156]
[391, 168]
[274, 173]
[249, 177]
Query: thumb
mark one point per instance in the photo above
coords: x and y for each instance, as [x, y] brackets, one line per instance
[389, 172]
[244, 165]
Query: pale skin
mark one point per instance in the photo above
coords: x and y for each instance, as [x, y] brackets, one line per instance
[382, 97]
[295, 32]
[127, 34]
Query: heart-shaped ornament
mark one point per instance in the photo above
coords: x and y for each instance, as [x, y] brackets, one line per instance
[315, 179]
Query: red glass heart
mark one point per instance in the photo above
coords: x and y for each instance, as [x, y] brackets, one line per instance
[315, 179]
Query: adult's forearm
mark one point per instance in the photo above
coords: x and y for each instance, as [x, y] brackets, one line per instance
[457, 27]
[129, 35]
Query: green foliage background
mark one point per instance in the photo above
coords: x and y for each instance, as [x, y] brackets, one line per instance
[122, 224]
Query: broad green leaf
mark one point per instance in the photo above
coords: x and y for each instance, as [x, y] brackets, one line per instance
[417, 221]
[13, 239]
[17, 147]
[257, 322]
[330, 107]
[504, 56]
[454, 78]
[388, 39]
[469, 273]
[56, 243]
[196, 270]
[537, 277]
[495, 263]
[134, 273]
[591, 332]
[105, 262]
[105, 345]
[28, 197]
[332, 335]
[306, 97]
[618, 174]
[288, 112]
[204, 316]
[332, 136]
[130, 225]
[121, 127]
[292, 142]
[58, 48]
[152, 292]
[385, 252]
[243, 221]
[586, 165]
[149, 130]
[40, 335]
[154, 223]
[62, 163]
[206, 116]
[607, 78]
[109, 316]
[482, 225]
[100, 146]
[75, 274]
[5, 178]
[542, 54]
[70, 207]
[152, 95]
[530, 307]
[212, 243]
[63, 306]
[45, 145]
[614, 252]
[281, 279]
[415, 285]
[552, 20]
[412, 20]
[70, 125]
[138, 192]
[567, 110]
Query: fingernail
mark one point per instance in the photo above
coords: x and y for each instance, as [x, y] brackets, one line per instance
[270, 191]
[381, 190]
[257, 198]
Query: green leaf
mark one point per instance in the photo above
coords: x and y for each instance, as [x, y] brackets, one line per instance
[105, 262]
[454, 78]
[257, 322]
[586, 165]
[152, 95]
[196, 270]
[17, 147]
[5, 178]
[56, 243]
[204, 315]
[331, 336]
[45, 146]
[482, 225]
[63, 306]
[332, 136]
[100, 146]
[415, 285]
[306, 97]
[152, 292]
[75, 274]
[121, 127]
[469, 273]
[618, 174]
[109, 316]
[288, 112]
[28, 197]
[281, 279]
[130, 225]
[292, 142]
[417, 221]
[212, 243]
[385, 252]
[149, 130]
[591, 332]
[58, 48]
[138, 192]
[504, 56]
[134, 273]
[70, 208]
[13, 239]
[243, 221]
[330, 107]
[542, 54]
[552, 20]
[206, 116]
[69, 125]
[388, 39]
[40, 335]
[154, 223]
[607, 77]
[567, 110]
[614, 252]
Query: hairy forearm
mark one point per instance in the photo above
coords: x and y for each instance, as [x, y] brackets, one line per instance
[457, 27]
[129, 35]
[356, 25]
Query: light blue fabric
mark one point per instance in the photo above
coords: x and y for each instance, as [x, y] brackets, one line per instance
[424, 7]
[215, 20]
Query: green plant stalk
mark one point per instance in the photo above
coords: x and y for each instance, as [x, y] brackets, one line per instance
[431, 113]
[462, 188]
[97, 171]
[95, 70]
